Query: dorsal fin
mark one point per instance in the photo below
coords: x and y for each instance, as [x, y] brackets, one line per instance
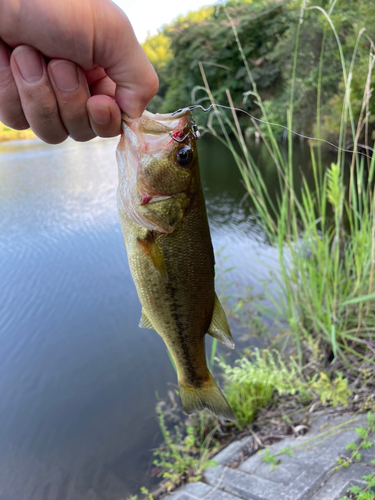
[219, 328]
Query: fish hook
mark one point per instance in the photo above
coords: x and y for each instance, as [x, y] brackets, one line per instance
[178, 140]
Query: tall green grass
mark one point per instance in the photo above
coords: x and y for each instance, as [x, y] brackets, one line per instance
[325, 233]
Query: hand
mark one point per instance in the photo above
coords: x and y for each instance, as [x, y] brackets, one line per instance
[68, 67]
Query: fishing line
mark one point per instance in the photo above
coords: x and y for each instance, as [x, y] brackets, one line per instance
[205, 110]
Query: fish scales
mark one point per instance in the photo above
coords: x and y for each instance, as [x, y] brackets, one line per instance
[166, 233]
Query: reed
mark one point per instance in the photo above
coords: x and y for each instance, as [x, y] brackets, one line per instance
[324, 233]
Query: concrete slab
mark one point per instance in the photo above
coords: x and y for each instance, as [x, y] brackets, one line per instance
[306, 475]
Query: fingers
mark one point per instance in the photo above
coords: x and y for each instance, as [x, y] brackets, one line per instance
[36, 94]
[54, 99]
[105, 116]
[71, 92]
[119, 53]
[11, 113]
[87, 33]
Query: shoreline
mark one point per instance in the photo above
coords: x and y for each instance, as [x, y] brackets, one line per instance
[15, 135]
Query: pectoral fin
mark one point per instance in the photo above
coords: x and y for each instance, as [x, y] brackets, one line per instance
[165, 213]
[219, 328]
[145, 322]
[150, 247]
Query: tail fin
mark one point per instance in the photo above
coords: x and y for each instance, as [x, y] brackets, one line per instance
[208, 396]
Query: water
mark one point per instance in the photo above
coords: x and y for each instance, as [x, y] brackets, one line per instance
[78, 378]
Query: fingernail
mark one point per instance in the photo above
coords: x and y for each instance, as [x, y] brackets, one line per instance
[100, 114]
[65, 75]
[4, 57]
[29, 64]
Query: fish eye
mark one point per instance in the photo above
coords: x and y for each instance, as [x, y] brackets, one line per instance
[184, 155]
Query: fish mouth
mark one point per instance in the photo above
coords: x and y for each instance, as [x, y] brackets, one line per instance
[154, 134]
[156, 199]
[164, 117]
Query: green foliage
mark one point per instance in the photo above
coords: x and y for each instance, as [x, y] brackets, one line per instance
[157, 49]
[147, 494]
[368, 493]
[364, 444]
[206, 36]
[334, 186]
[287, 449]
[183, 457]
[270, 459]
[252, 381]
[288, 46]
[324, 232]
[337, 391]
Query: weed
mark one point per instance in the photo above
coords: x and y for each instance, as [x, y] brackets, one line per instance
[271, 459]
[182, 458]
[366, 493]
[252, 381]
[147, 494]
[337, 391]
[364, 444]
[287, 449]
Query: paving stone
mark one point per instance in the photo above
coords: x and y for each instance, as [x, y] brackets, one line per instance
[246, 486]
[184, 496]
[199, 490]
[232, 451]
[337, 484]
[307, 483]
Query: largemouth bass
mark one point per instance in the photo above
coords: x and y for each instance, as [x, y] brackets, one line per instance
[164, 223]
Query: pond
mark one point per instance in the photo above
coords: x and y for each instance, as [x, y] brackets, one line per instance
[78, 378]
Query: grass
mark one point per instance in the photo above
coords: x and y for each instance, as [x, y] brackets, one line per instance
[8, 134]
[186, 450]
[325, 233]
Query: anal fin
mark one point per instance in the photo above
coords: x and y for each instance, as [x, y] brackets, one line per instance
[145, 322]
[219, 328]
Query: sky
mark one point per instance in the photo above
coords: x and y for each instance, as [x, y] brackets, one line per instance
[149, 15]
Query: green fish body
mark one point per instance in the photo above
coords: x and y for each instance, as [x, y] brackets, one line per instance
[164, 222]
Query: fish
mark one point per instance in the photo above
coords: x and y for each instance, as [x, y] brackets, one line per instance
[167, 238]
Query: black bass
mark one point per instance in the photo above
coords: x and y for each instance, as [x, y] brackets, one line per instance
[167, 238]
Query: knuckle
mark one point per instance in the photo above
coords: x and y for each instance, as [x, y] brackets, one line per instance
[154, 83]
[40, 104]
[47, 113]
[150, 89]
[11, 113]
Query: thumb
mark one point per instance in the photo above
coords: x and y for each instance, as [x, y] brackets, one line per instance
[117, 50]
